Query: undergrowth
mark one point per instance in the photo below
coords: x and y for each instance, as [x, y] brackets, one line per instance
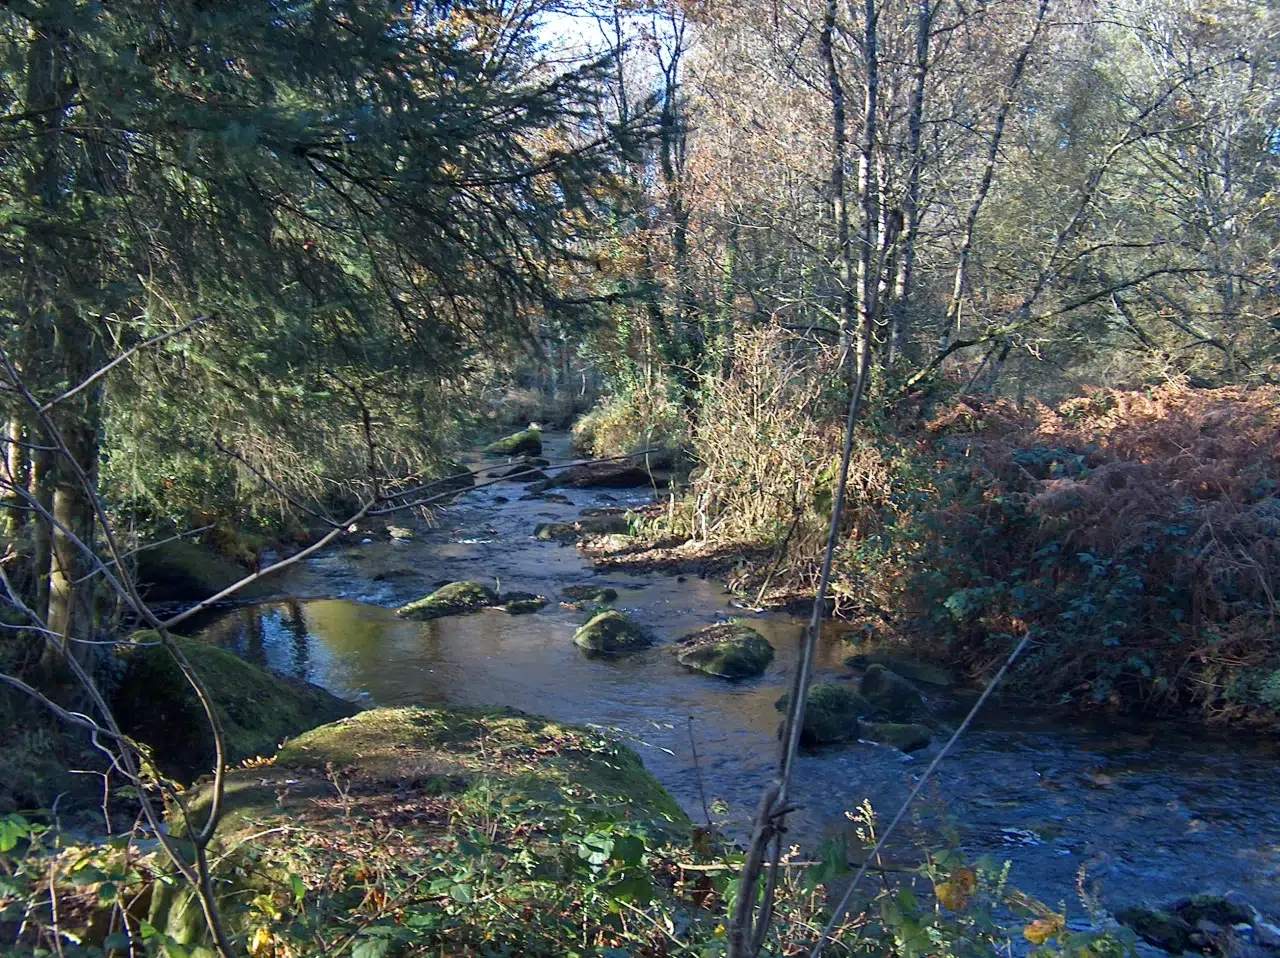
[1134, 534]
[512, 836]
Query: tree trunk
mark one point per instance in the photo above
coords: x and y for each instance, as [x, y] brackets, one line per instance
[868, 281]
[904, 275]
[839, 141]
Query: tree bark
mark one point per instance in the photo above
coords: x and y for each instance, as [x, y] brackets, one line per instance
[839, 147]
[905, 273]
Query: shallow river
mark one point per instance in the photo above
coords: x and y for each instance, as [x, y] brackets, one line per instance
[1152, 812]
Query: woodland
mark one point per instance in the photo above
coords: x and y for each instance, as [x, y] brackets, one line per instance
[952, 324]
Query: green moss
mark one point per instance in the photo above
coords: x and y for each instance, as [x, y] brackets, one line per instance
[527, 442]
[588, 594]
[906, 738]
[609, 633]
[522, 603]
[731, 650]
[431, 775]
[456, 598]
[591, 525]
[831, 714]
[155, 704]
[1166, 931]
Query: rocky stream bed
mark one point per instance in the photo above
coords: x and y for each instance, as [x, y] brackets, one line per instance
[1154, 813]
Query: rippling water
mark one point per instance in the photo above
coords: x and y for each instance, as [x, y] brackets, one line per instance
[1151, 811]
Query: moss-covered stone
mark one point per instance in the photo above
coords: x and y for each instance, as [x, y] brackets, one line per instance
[183, 571]
[521, 603]
[527, 441]
[588, 593]
[456, 598]
[831, 714]
[609, 633]
[592, 525]
[889, 692]
[924, 672]
[607, 475]
[730, 650]
[403, 533]
[905, 738]
[155, 704]
[415, 769]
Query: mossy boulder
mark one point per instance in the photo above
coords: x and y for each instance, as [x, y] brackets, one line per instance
[889, 692]
[154, 703]
[456, 598]
[183, 571]
[527, 442]
[610, 633]
[521, 603]
[729, 650]
[400, 533]
[905, 738]
[831, 714]
[605, 475]
[1189, 923]
[923, 672]
[416, 779]
[592, 525]
[588, 594]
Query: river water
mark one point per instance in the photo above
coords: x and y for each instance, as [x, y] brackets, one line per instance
[1152, 812]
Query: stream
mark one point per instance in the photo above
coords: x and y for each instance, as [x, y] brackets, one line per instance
[1151, 811]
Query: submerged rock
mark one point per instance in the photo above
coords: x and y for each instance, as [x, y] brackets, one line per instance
[456, 598]
[1209, 924]
[610, 633]
[154, 704]
[401, 533]
[730, 650]
[905, 738]
[916, 671]
[526, 441]
[520, 603]
[831, 714]
[588, 593]
[889, 692]
[520, 473]
[552, 497]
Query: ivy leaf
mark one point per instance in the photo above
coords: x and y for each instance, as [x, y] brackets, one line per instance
[461, 893]
[371, 948]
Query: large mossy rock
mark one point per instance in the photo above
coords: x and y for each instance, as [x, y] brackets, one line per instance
[589, 526]
[890, 693]
[602, 475]
[831, 714]
[905, 738]
[729, 650]
[611, 633]
[456, 598]
[413, 780]
[526, 442]
[155, 704]
[182, 571]
[916, 671]
[1200, 923]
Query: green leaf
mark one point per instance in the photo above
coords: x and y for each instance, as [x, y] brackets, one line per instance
[461, 893]
[628, 849]
[13, 829]
[299, 889]
[371, 948]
